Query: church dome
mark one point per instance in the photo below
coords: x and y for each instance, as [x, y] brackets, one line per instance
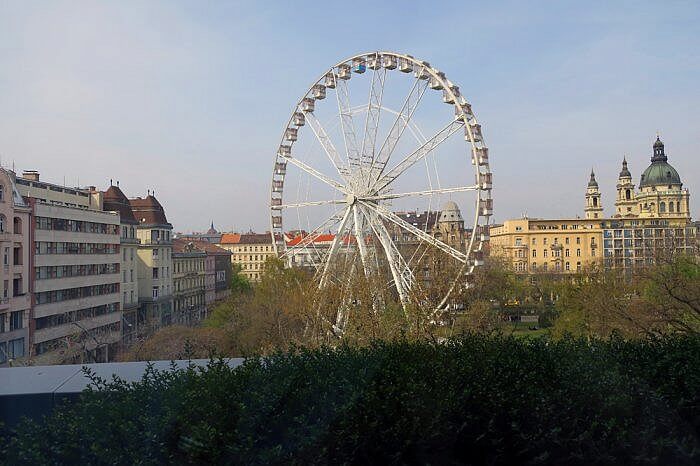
[660, 172]
[450, 212]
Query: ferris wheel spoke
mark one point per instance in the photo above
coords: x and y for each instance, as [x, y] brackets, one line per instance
[400, 122]
[328, 147]
[315, 173]
[347, 123]
[337, 240]
[428, 192]
[374, 107]
[315, 233]
[393, 258]
[311, 203]
[392, 217]
[419, 154]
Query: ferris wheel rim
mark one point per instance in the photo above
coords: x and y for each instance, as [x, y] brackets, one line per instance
[467, 117]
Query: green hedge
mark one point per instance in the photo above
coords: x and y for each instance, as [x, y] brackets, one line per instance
[478, 400]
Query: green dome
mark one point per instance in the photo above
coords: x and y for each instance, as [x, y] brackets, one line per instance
[659, 174]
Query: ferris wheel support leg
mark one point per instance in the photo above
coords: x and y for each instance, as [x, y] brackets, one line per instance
[334, 248]
[385, 241]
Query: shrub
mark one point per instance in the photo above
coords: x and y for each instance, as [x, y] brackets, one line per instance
[479, 399]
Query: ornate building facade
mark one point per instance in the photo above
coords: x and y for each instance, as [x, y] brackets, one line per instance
[651, 220]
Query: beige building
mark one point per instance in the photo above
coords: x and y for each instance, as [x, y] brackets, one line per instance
[76, 315]
[155, 264]
[537, 245]
[15, 276]
[655, 218]
[189, 282]
[250, 251]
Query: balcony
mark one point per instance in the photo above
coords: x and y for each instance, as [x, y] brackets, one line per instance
[156, 242]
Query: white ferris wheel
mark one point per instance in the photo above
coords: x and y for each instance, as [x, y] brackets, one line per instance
[373, 152]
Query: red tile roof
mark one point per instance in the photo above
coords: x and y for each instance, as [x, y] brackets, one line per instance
[230, 238]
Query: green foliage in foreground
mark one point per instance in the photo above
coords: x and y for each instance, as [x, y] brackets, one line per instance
[492, 400]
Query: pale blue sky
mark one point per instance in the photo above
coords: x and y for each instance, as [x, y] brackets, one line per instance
[190, 98]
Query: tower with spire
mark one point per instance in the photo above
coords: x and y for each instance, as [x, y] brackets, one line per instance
[594, 208]
[626, 203]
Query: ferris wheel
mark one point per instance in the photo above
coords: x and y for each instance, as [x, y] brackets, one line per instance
[382, 171]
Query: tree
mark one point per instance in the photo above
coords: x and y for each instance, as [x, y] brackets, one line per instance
[180, 342]
[672, 290]
[239, 283]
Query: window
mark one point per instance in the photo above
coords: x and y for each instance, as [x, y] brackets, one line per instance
[3, 350]
[670, 206]
[578, 253]
[155, 292]
[17, 225]
[6, 256]
[578, 266]
[15, 348]
[544, 266]
[662, 207]
[544, 253]
[534, 266]
[566, 253]
[534, 253]
[534, 241]
[567, 266]
[2, 193]
[155, 253]
[16, 320]
[3, 221]
[578, 240]
[544, 241]
[155, 273]
[518, 241]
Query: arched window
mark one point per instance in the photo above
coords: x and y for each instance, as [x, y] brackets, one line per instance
[628, 194]
[670, 206]
[595, 202]
[662, 207]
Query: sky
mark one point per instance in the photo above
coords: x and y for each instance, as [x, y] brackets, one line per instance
[189, 99]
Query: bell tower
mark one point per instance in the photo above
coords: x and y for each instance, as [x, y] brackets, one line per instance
[625, 204]
[594, 208]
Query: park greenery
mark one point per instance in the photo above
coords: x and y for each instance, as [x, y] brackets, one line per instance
[283, 309]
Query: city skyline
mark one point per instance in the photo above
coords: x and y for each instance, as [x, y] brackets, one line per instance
[94, 92]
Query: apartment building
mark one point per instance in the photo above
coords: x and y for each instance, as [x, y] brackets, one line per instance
[15, 277]
[189, 276]
[249, 251]
[76, 274]
[155, 264]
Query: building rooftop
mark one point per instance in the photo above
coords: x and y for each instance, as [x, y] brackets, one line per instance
[115, 200]
[148, 211]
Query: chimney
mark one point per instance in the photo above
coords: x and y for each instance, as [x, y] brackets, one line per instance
[31, 175]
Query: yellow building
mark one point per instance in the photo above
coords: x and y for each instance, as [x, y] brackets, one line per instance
[536, 245]
[249, 251]
[655, 218]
